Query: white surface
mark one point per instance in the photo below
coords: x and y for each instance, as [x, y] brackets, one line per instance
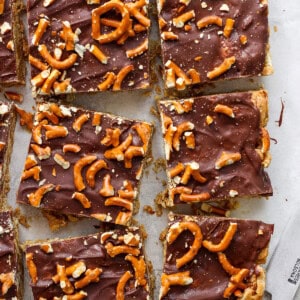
[284, 169]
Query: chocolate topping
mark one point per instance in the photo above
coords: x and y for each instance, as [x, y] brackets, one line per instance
[93, 253]
[206, 48]
[209, 278]
[89, 138]
[240, 135]
[8, 70]
[8, 255]
[88, 72]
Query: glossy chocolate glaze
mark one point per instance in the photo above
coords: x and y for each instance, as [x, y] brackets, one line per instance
[89, 250]
[61, 201]
[8, 254]
[88, 71]
[8, 70]
[210, 279]
[250, 20]
[240, 134]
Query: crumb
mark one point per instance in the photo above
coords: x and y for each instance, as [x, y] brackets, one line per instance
[154, 112]
[148, 209]
[26, 118]
[163, 235]
[159, 165]
[23, 220]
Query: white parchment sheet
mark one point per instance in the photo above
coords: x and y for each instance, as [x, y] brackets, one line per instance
[284, 170]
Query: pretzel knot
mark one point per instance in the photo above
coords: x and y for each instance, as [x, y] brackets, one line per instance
[119, 31]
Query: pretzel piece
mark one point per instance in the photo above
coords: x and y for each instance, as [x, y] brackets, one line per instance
[222, 68]
[36, 197]
[42, 153]
[139, 50]
[34, 172]
[209, 20]
[130, 153]
[91, 275]
[99, 54]
[228, 27]
[112, 137]
[224, 109]
[7, 280]
[48, 83]
[41, 29]
[175, 230]
[78, 123]
[79, 165]
[194, 197]
[117, 201]
[37, 63]
[31, 266]
[180, 21]
[224, 243]
[227, 266]
[139, 267]
[68, 36]
[119, 31]
[118, 152]
[65, 283]
[113, 251]
[121, 285]
[107, 189]
[55, 131]
[181, 128]
[109, 79]
[82, 198]
[167, 280]
[226, 159]
[54, 63]
[71, 148]
[121, 75]
[93, 170]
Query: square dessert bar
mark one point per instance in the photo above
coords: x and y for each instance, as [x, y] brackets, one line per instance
[7, 127]
[216, 147]
[12, 68]
[84, 45]
[84, 163]
[10, 270]
[108, 265]
[204, 41]
[214, 258]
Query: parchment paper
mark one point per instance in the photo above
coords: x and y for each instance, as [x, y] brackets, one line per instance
[284, 170]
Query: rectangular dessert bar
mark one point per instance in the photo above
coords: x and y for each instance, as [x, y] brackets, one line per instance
[12, 68]
[84, 163]
[10, 270]
[83, 46]
[108, 265]
[216, 147]
[7, 127]
[214, 258]
[204, 41]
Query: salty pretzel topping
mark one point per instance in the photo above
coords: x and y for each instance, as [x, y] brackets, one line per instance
[230, 269]
[116, 250]
[209, 20]
[121, 285]
[121, 75]
[139, 50]
[117, 201]
[175, 230]
[79, 165]
[42, 26]
[222, 68]
[82, 198]
[31, 267]
[107, 189]
[180, 278]
[37, 63]
[139, 267]
[93, 170]
[119, 31]
[78, 123]
[57, 64]
[36, 197]
[226, 159]
[7, 280]
[90, 276]
[109, 80]
[224, 243]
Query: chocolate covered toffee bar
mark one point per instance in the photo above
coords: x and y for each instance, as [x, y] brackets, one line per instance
[214, 258]
[84, 163]
[12, 68]
[216, 147]
[109, 265]
[7, 127]
[82, 46]
[203, 41]
[10, 270]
